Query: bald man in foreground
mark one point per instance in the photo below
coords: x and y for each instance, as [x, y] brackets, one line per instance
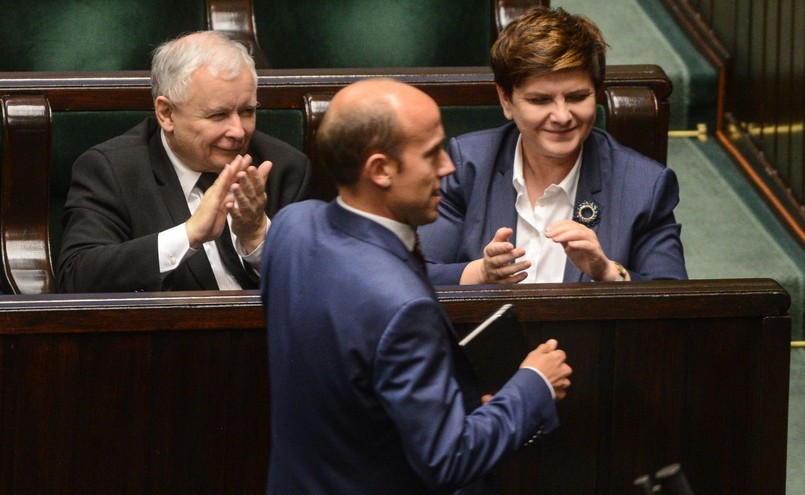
[370, 391]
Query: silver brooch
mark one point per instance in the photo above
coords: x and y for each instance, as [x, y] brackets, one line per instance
[587, 213]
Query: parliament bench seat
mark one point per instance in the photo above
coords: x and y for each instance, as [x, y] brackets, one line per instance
[49, 119]
[53, 35]
[364, 33]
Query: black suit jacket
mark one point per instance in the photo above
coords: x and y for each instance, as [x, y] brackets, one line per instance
[125, 191]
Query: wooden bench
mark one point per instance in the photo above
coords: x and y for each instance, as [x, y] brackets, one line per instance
[168, 393]
[48, 119]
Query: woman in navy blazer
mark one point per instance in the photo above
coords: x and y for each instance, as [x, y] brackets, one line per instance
[548, 198]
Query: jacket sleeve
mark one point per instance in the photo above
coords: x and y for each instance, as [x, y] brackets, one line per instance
[656, 251]
[447, 445]
[99, 252]
[441, 240]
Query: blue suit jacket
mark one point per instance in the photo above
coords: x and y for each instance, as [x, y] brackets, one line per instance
[637, 197]
[370, 392]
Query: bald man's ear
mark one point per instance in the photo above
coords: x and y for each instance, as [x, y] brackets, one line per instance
[164, 113]
[380, 169]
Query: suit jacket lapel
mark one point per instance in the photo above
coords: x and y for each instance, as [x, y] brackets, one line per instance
[501, 195]
[165, 177]
[372, 232]
[589, 188]
[369, 231]
[176, 205]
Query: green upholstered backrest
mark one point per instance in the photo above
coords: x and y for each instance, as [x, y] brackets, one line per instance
[72, 133]
[286, 125]
[369, 33]
[462, 119]
[64, 35]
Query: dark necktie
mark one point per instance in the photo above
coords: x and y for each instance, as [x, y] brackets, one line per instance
[232, 262]
[418, 255]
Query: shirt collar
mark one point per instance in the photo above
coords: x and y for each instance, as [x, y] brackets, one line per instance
[406, 233]
[569, 184]
[187, 176]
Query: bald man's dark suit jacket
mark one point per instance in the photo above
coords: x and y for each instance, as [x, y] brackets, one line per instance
[125, 191]
[370, 391]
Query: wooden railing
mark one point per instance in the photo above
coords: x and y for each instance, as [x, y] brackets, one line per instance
[168, 393]
[757, 48]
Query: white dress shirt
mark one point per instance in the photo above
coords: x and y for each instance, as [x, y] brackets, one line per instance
[547, 257]
[406, 233]
[173, 244]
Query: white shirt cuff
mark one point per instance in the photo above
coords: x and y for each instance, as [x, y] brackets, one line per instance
[173, 247]
[255, 258]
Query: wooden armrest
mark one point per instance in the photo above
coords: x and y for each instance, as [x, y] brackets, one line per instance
[236, 19]
[314, 105]
[632, 120]
[637, 102]
[25, 239]
[506, 11]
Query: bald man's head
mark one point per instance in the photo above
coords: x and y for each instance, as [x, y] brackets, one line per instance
[366, 117]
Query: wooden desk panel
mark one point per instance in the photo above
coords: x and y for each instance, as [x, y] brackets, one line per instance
[168, 393]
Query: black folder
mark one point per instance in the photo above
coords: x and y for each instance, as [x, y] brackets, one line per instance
[496, 348]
